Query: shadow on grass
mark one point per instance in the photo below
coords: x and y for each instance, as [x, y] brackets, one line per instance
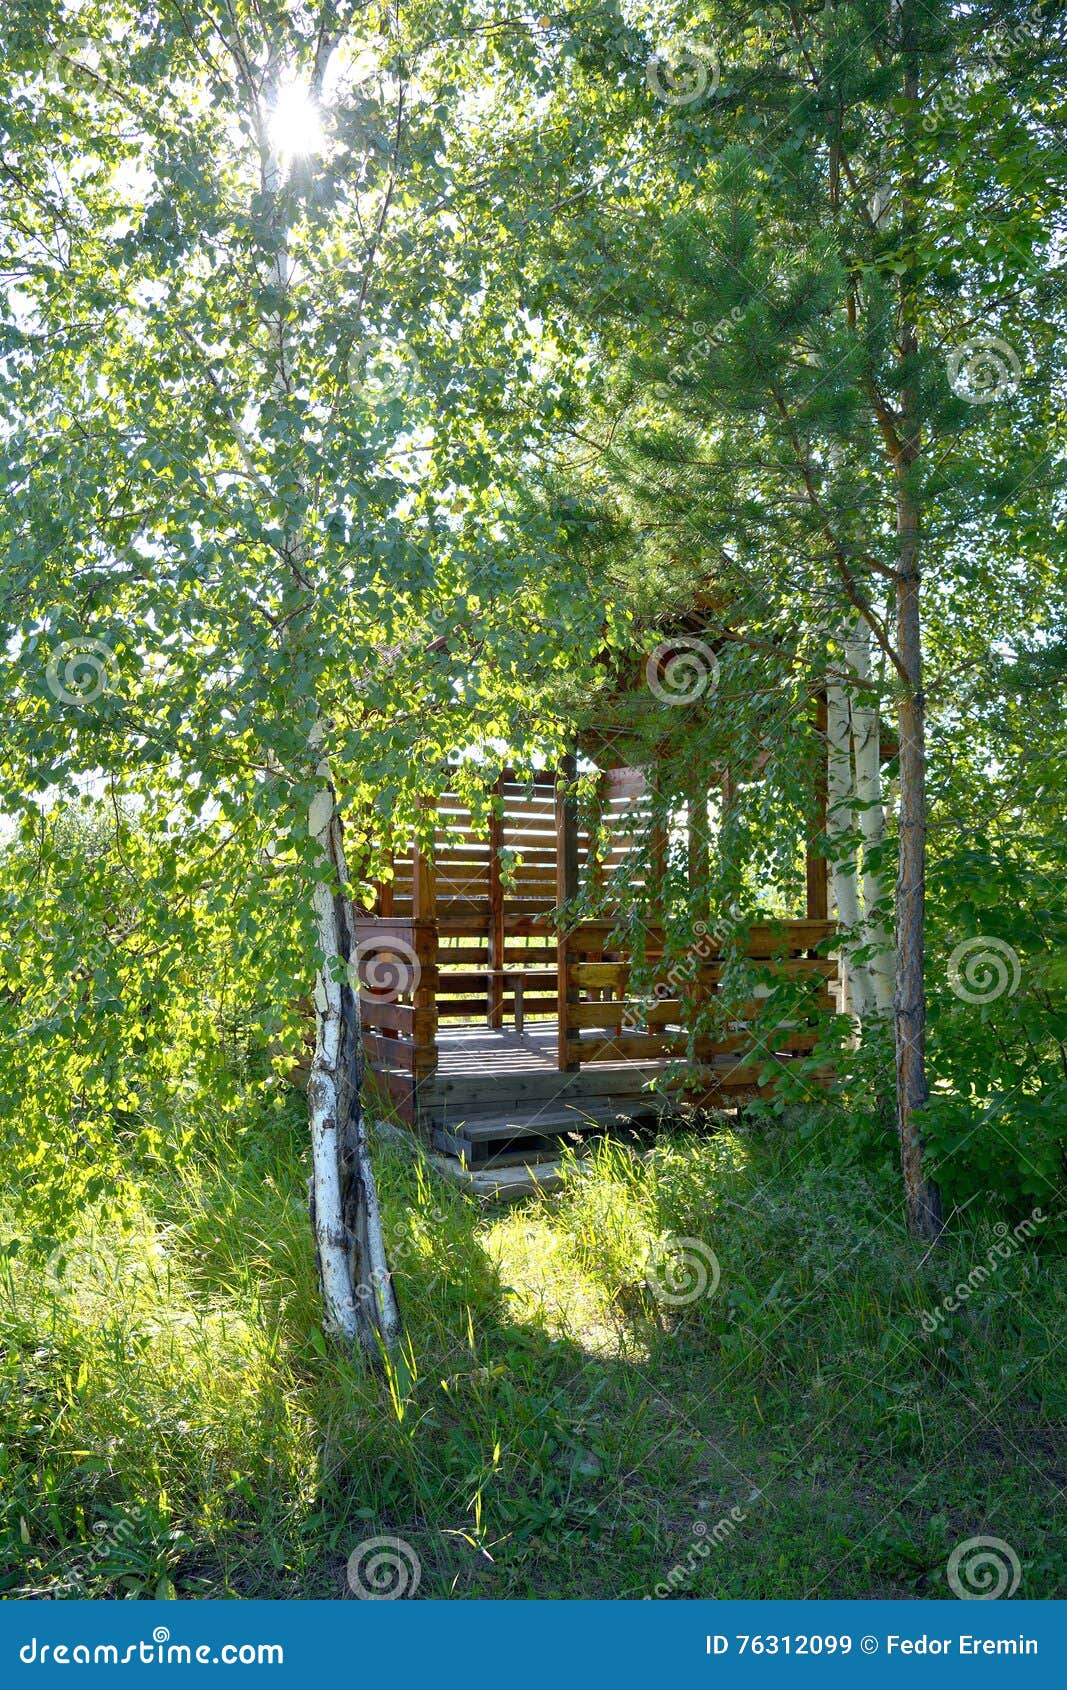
[554, 1427]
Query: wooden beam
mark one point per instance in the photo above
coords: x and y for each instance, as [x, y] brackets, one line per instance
[424, 914]
[699, 854]
[424, 999]
[424, 875]
[495, 1005]
[566, 889]
[385, 888]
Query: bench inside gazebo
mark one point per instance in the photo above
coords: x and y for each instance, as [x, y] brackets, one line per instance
[498, 1024]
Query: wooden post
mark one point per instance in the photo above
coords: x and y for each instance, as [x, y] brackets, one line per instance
[385, 887]
[424, 999]
[495, 1000]
[598, 836]
[597, 811]
[424, 875]
[699, 854]
[566, 889]
[818, 900]
[657, 859]
[424, 915]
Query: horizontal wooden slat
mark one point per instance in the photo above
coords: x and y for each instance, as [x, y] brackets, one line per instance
[638, 1047]
[642, 1047]
[386, 1016]
[615, 975]
[397, 1090]
[373, 926]
[389, 1053]
[610, 1012]
[415, 1024]
[427, 980]
[474, 980]
[461, 914]
[473, 1009]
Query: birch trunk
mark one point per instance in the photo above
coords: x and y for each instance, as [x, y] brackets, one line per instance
[358, 1294]
[840, 827]
[359, 1299]
[866, 746]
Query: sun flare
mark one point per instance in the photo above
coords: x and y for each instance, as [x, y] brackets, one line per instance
[295, 123]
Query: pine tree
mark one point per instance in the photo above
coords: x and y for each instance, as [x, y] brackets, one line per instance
[850, 306]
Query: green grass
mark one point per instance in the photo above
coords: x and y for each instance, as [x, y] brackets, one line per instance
[172, 1422]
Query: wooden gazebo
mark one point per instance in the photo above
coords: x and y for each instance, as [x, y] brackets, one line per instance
[496, 1020]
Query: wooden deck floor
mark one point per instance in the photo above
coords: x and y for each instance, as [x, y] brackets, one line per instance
[501, 1075]
[478, 1050]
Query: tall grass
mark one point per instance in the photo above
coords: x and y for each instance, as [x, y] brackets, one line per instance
[173, 1422]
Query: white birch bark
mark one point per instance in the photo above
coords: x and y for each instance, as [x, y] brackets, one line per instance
[359, 1299]
[866, 744]
[358, 1294]
[844, 865]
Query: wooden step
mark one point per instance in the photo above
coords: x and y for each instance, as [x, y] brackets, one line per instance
[523, 1088]
[532, 1135]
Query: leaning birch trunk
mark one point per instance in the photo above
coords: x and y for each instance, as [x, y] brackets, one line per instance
[866, 745]
[359, 1299]
[840, 827]
[357, 1289]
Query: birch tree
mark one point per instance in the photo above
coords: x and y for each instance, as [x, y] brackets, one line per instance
[265, 555]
